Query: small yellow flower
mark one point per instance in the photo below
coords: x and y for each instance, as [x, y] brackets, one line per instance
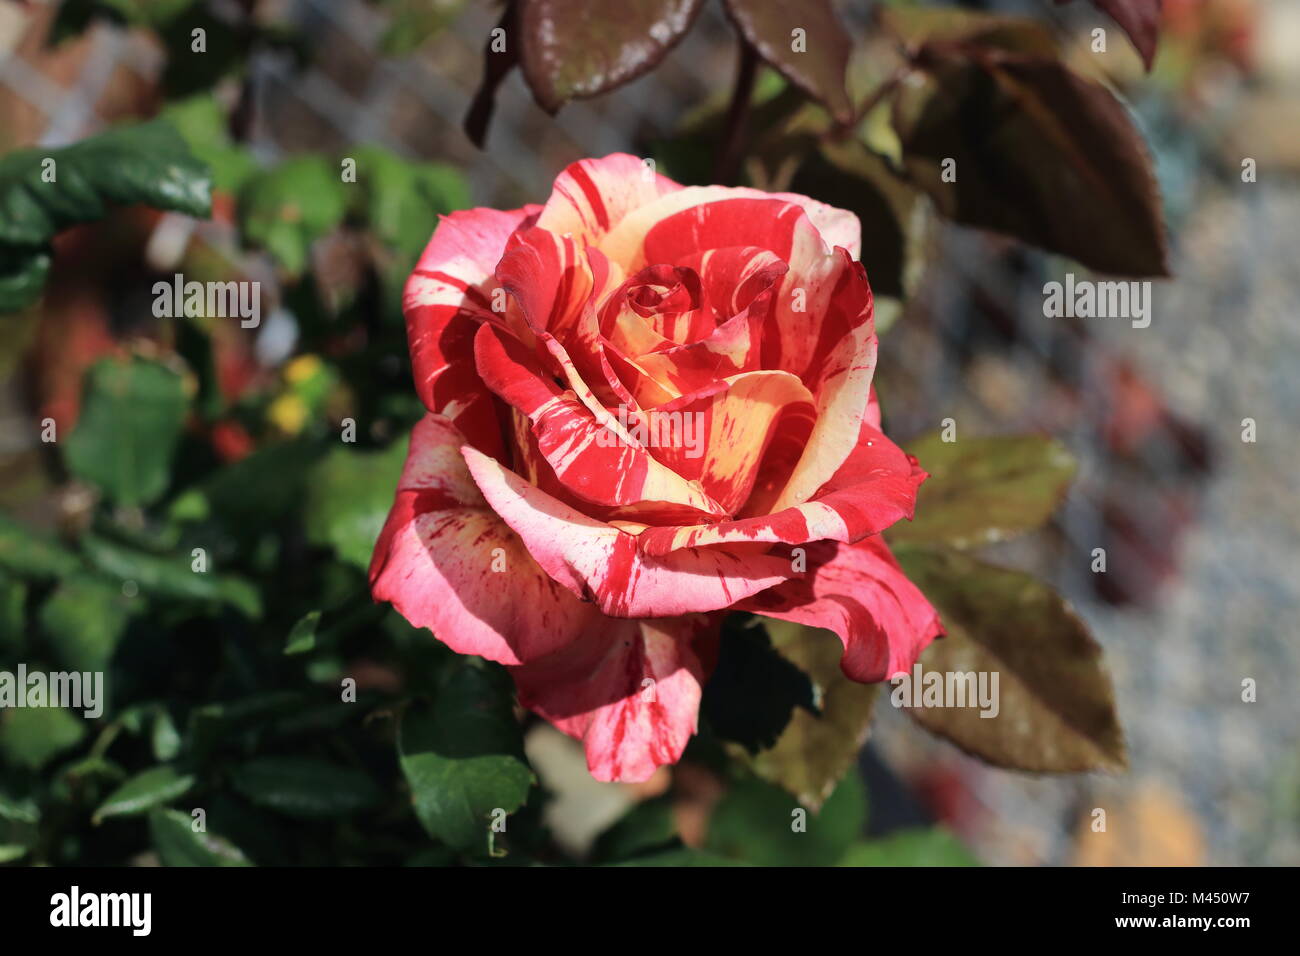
[302, 369]
[288, 413]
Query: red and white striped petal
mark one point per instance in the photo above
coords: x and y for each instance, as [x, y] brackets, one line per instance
[447, 562]
[592, 455]
[859, 592]
[875, 488]
[445, 299]
[629, 690]
[592, 196]
[717, 437]
[600, 562]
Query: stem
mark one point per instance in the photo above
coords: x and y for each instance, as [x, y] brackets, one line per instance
[728, 161]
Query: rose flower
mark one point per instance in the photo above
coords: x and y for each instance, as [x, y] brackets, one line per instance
[649, 405]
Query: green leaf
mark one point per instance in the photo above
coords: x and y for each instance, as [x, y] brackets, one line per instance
[170, 576]
[286, 209]
[573, 50]
[649, 826]
[1055, 706]
[144, 791]
[819, 67]
[179, 845]
[817, 748]
[402, 200]
[681, 857]
[761, 823]
[463, 757]
[411, 22]
[303, 636]
[202, 122]
[306, 787]
[23, 272]
[32, 736]
[348, 498]
[26, 554]
[753, 690]
[1040, 153]
[17, 839]
[145, 163]
[84, 619]
[131, 419]
[13, 616]
[932, 846]
[984, 490]
[164, 738]
[43, 191]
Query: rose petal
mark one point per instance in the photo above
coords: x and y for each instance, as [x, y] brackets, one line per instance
[599, 562]
[875, 488]
[859, 592]
[446, 562]
[630, 690]
[445, 299]
[592, 196]
[592, 454]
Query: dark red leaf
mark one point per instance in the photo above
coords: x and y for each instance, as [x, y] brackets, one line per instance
[573, 49]
[1040, 153]
[1140, 19]
[817, 65]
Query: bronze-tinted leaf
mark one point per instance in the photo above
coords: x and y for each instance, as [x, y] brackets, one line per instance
[573, 48]
[1140, 19]
[815, 59]
[815, 751]
[983, 490]
[1055, 706]
[915, 26]
[1036, 151]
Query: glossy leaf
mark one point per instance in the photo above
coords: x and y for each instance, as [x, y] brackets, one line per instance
[170, 576]
[1055, 705]
[178, 844]
[1031, 149]
[463, 758]
[43, 191]
[805, 41]
[983, 490]
[572, 49]
[303, 636]
[152, 788]
[306, 787]
[145, 163]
